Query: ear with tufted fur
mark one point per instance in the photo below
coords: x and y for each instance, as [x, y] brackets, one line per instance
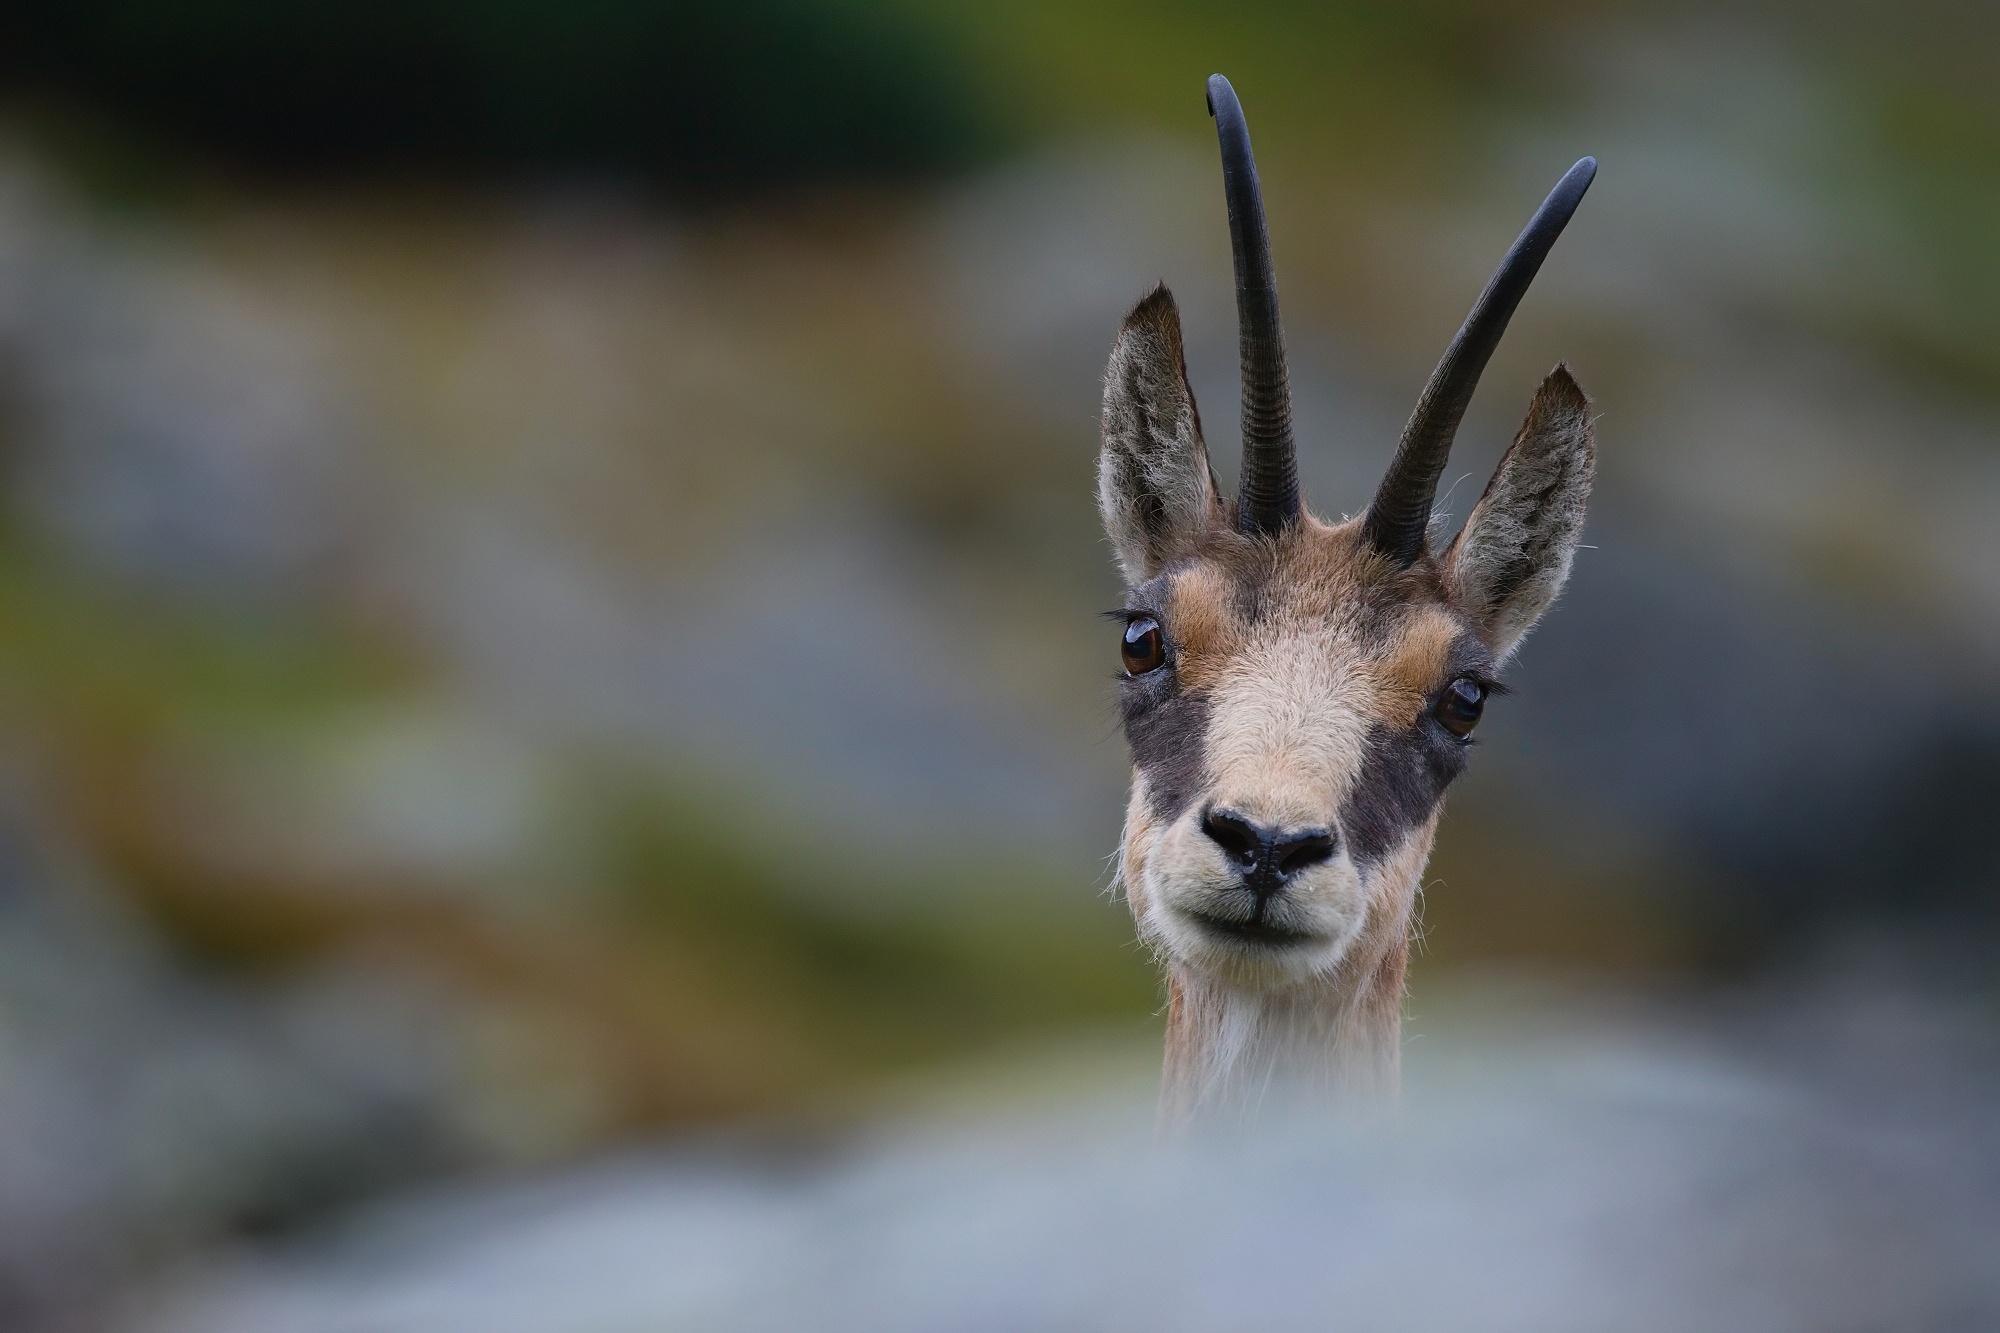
[1154, 485]
[1514, 554]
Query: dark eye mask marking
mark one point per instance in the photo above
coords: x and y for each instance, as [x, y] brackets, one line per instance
[1403, 777]
[1165, 724]
[1168, 731]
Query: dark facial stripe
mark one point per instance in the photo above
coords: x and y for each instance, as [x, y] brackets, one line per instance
[1167, 728]
[1403, 777]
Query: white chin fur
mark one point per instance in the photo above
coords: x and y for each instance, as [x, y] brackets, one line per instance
[1245, 964]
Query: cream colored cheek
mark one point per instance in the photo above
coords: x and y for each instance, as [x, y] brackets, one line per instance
[1135, 849]
[1336, 896]
[1184, 856]
[1394, 885]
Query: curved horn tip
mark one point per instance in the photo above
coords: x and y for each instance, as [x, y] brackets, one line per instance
[1553, 216]
[1216, 81]
[1399, 516]
[1575, 181]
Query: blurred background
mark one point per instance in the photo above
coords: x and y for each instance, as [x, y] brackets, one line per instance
[557, 756]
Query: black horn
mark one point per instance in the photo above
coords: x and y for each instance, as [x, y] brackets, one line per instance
[1400, 515]
[1267, 500]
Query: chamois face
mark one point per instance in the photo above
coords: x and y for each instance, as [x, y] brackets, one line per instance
[1298, 702]
[1290, 748]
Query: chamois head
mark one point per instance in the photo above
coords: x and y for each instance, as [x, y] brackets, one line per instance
[1298, 694]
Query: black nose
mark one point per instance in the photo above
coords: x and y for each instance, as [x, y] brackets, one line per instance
[1267, 856]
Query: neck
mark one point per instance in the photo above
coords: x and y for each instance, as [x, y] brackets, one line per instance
[1332, 1040]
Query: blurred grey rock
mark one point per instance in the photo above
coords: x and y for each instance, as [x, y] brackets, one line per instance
[146, 1109]
[1821, 1158]
[171, 424]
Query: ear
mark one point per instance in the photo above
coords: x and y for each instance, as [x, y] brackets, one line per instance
[1514, 554]
[1154, 485]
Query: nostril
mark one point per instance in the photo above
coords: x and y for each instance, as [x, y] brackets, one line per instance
[1237, 837]
[1265, 853]
[1300, 850]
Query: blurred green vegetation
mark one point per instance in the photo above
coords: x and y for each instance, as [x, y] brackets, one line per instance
[707, 100]
[1363, 80]
[710, 98]
[700, 97]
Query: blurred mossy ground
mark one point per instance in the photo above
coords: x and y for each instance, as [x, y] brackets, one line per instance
[684, 974]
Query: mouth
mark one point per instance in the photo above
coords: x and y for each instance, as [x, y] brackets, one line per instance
[1263, 933]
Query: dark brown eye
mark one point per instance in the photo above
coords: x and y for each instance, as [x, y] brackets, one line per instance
[1144, 648]
[1459, 708]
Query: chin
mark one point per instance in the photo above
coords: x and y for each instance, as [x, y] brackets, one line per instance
[1193, 929]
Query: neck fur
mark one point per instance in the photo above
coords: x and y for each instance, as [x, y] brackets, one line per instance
[1332, 1040]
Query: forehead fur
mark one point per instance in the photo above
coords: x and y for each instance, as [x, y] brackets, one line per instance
[1317, 579]
[1298, 667]
[1429, 645]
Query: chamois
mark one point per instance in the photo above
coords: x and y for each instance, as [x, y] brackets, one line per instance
[1298, 694]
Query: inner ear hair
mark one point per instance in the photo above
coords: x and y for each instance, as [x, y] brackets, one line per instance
[1511, 560]
[1154, 485]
